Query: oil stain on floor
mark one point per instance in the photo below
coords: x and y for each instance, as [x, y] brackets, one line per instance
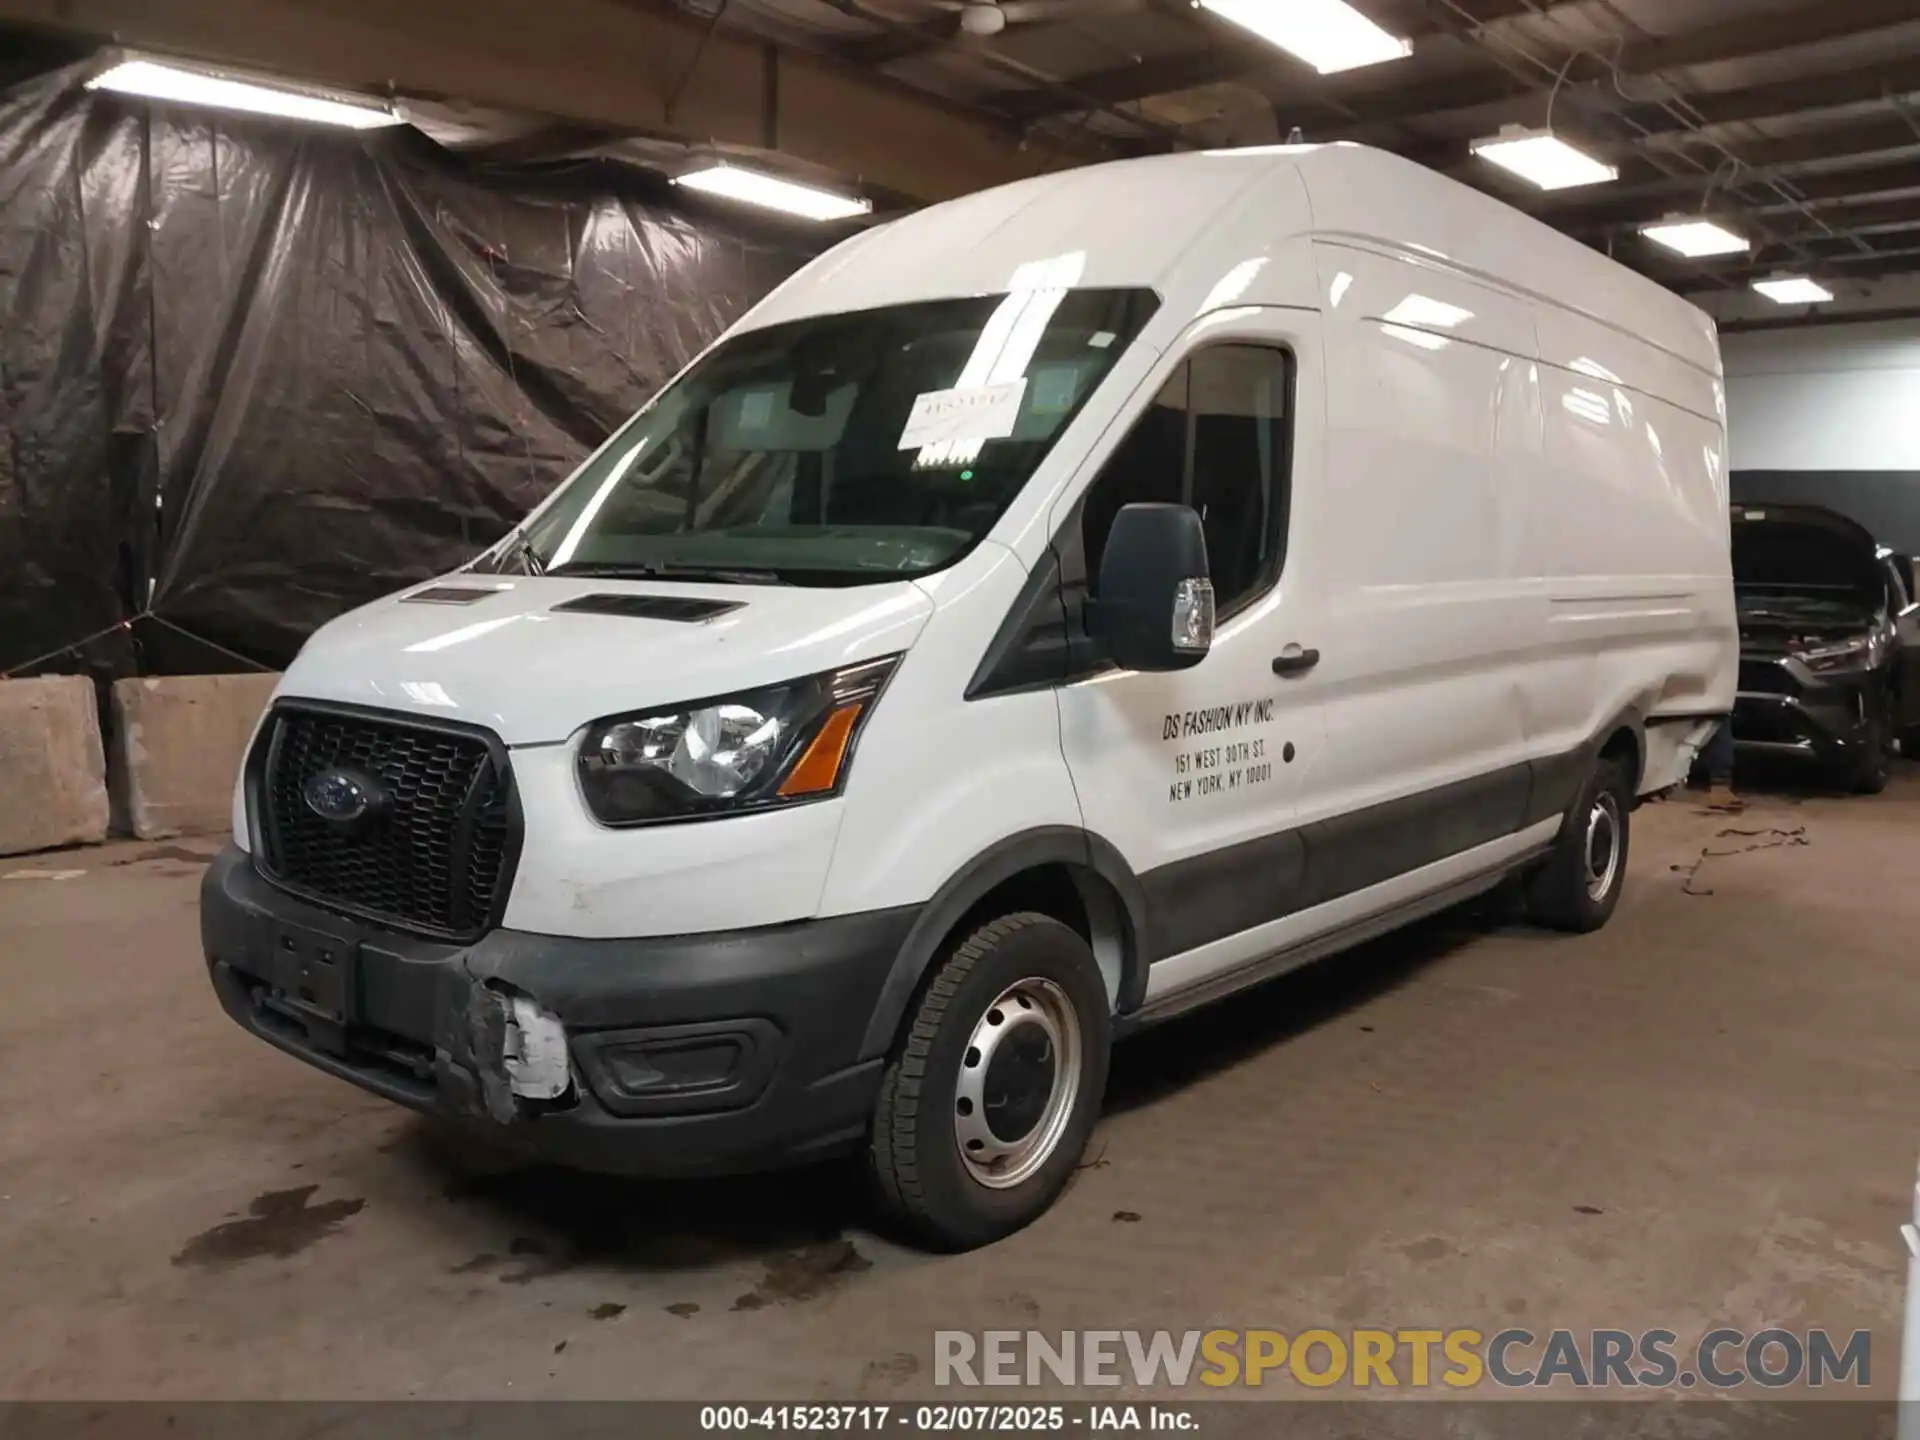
[179, 854]
[278, 1224]
[805, 1274]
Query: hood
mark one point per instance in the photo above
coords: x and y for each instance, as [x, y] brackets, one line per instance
[533, 658]
[1807, 550]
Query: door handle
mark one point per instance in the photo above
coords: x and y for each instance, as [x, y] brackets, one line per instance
[1295, 661]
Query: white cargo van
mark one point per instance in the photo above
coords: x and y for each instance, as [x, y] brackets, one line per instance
[1042, 614]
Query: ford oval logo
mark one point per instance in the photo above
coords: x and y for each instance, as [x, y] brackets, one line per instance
[342, 797]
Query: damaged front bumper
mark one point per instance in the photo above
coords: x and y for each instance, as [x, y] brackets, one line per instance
[1827, 724]
[668, 1055]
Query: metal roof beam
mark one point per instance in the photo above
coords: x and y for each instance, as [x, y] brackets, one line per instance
[1838, 143]
[1805, 24]
[889, 47]
[1885, 217]
[1607, 206]
[641, 67]
[1881, 81]
[1855, 147]
[1848, 265]
[1232, 55]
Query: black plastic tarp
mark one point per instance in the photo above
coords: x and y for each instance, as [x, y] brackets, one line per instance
[253, 374]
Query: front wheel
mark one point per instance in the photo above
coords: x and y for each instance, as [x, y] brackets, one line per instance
[1868, 774]
[995, 1085]
[1579, 883]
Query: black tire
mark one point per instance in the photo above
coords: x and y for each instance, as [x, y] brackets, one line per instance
[1561, 893]
[915, 1148]
[1868, 774]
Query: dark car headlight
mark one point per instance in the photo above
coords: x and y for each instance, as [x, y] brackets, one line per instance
[1856, 652]
[779, 745]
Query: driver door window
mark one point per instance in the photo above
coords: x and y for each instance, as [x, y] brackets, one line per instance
[1216, 437]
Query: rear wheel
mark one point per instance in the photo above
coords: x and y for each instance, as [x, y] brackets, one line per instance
[995, 1085]
[1579, 883]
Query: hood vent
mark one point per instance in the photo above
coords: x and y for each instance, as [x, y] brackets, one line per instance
[686, 609]
[447, 595]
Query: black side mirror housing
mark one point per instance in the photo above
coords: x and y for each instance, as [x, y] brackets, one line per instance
[1155, 602]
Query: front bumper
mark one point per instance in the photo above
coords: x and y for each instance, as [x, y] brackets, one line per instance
[690, 1054]
[1784, 707]
[1823, 723]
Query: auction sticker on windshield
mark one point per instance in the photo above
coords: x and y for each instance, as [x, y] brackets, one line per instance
[978, 412]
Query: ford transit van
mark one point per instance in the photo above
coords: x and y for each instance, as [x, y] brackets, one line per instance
[1042, 614]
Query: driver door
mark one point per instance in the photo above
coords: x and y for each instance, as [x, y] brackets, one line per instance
[1191, 774]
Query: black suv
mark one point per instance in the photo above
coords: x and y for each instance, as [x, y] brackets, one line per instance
[1829, 642]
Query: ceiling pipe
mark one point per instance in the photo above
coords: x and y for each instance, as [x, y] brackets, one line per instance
[1065, 89]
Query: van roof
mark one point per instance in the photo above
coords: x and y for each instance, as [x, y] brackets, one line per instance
[1180, 224]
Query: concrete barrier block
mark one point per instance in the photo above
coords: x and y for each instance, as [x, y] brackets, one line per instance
[53, 776]
[177, 746]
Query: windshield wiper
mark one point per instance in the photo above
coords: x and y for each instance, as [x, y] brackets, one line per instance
[529, 557]
[725, 575]
[513, 547]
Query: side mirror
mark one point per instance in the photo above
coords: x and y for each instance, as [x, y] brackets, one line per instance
[1155, 606]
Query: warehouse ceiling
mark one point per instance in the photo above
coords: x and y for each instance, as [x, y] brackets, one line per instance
[1794, 122]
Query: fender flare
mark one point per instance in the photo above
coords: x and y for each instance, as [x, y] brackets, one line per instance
[1634, 723]
[1557, 779]
[1047, 845]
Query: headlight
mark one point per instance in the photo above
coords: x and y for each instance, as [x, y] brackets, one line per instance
[1853, 653]
[762, 748]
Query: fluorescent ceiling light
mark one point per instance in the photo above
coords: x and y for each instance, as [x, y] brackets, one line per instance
[1543, 159]
[1694, 238]
[1793, 290]
[1329, 35]
[751, 187]
[155, 81]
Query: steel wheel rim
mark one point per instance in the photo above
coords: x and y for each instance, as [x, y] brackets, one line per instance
[1030, 1025]
[1601, 853]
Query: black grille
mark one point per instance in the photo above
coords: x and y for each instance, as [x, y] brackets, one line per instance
[1764, 677]
[684, 608]
[435, 858]
[449, 595]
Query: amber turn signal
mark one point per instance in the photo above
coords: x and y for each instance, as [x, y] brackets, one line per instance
[819, 768]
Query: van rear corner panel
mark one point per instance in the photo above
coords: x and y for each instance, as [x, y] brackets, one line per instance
[1699, 671]
[1671, 748]
[1699, 674]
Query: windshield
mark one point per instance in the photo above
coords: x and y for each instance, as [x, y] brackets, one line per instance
[839, 449]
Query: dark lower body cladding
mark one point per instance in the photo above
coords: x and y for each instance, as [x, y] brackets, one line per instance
[691, 1054]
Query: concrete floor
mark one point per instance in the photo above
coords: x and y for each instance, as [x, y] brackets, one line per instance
[1703, 1115]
